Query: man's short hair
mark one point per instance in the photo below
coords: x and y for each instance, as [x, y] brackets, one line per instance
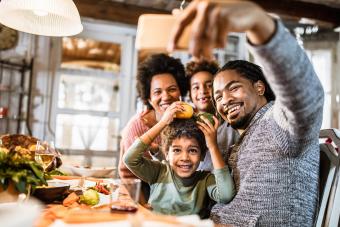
[251, 72]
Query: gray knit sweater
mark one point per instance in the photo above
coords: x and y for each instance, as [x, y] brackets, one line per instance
[275, 164]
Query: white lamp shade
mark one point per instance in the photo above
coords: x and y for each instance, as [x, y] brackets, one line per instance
[41, 17]
[153, 32]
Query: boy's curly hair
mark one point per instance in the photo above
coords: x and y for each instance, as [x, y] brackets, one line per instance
[194, 67]
[183, 128]
[158, 64]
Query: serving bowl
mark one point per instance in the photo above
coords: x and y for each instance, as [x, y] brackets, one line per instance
[54, 191]
[100, 172]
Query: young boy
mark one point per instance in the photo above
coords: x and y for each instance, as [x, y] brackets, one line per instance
[201, 75]
[176, 187]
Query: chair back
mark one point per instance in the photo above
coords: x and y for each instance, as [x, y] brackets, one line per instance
[329, 184]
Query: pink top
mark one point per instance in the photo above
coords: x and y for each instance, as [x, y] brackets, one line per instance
[135, 128]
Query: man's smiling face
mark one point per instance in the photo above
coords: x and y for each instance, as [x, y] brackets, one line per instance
[237, 98]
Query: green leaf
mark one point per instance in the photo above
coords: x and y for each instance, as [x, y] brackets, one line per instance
[37, 172]
[21, 186]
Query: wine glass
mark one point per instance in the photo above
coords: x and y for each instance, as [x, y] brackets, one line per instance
[43, 155]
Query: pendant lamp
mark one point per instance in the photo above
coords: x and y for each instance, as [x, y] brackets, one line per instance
[153, 33]
[41, 17]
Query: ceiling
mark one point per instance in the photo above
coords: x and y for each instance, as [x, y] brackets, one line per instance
[106, 56]
[127, 11]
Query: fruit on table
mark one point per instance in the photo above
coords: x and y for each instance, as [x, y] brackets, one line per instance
[187, 113]
[199, 117]
[90, 197]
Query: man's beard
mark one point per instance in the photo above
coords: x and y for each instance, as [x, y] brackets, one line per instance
[243, 122]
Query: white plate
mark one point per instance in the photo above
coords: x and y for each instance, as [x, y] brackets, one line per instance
[74, 184]
[101, 172]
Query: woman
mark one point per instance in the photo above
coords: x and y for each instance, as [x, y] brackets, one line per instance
[200, 75]
[160, 82]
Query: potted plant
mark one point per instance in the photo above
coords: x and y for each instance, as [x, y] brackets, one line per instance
[19, 173]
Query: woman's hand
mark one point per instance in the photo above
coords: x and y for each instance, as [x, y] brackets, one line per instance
[209, 131]
[212, 20]
[170, 112]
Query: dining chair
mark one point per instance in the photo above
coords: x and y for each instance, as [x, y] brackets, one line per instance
[329, 184]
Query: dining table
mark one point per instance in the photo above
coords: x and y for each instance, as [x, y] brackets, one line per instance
[101, 215]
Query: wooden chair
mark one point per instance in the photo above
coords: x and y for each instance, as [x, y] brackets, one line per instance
[329, 206]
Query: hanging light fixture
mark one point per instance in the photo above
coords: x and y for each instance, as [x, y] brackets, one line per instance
[153, 31]
[41, 17]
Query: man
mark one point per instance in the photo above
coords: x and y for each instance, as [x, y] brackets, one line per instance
[275, 163]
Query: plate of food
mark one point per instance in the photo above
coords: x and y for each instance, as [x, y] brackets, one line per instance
[100, 172]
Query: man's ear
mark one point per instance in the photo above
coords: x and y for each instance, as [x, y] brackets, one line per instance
[260, 87]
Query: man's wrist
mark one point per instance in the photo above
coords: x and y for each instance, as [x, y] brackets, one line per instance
[262, 31]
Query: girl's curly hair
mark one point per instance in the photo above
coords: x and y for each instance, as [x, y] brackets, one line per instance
[194, 67]
[183, 128]
[158, 64]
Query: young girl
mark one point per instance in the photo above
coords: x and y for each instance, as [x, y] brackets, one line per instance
[176, 187]
[201, 76]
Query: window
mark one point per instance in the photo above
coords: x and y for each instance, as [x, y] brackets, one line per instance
[94, 93]
[322, 60]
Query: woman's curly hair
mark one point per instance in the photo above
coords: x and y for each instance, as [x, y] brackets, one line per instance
[158, 64]
[194, 67]
[183, 128]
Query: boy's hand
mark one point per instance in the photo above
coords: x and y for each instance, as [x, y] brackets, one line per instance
[210, 131]
[170, 112]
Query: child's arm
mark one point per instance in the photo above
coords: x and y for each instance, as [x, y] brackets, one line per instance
[220, 186]
[210, 134]
[144, 168]
[166, 119]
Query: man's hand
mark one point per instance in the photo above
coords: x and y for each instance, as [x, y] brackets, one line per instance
[211, 22]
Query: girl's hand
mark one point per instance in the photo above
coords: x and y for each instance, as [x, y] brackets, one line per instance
[210, 131]
[170, 112]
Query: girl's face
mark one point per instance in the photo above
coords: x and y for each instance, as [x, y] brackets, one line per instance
[184, 156]
[164, 90]
[201, 91]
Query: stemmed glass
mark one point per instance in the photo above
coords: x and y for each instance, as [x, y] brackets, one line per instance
[43, 156]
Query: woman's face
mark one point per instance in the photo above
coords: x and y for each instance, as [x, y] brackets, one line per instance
[164, 90]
